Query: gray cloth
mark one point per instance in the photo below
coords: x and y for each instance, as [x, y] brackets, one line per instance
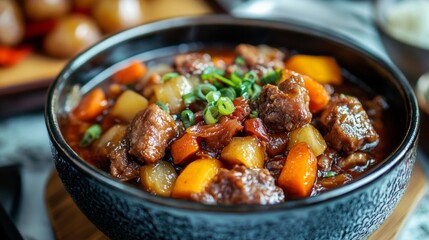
[24, 140]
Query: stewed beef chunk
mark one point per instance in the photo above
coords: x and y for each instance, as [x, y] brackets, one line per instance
[260, 58]
[356, 159]
[121, 166]
[242, 185]
[260, 55]
[150, 132]
[192, 63]
[285, 107]
[347, 125]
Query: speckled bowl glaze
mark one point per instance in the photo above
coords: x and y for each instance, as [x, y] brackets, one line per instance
[353, 211]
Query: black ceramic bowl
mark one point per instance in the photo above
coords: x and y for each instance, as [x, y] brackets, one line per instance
[121, 211]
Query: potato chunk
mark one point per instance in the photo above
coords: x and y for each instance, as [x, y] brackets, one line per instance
[128, 104]
[171, 93]
[158, 178]
[247, 151]
[309, 135]
[195, 177]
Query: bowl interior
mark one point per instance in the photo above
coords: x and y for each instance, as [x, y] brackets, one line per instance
[188, 34]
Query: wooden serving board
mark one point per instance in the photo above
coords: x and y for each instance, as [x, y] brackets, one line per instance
[38, 67]
[24, 85]
[69, 223]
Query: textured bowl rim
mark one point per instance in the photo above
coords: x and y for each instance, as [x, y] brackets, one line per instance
[384, 167]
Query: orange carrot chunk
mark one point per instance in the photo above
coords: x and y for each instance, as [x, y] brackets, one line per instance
[319, 96]
[184, 148]
[130, 74]
[323, 69]
[91, 105]
[299, 172]
[195, 177]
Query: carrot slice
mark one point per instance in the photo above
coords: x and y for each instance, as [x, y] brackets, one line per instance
[299, 172]
[195, 177]
[319, 96]
[130, 74]
[323, 69]
[91, 105]
[184, 148]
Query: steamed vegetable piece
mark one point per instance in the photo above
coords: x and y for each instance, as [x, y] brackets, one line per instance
[128, 104]
[115, 15]
[247, 151]
[130, 74]
[299, 172]
[11, 23]
[91, 105]
[46, 9]
[195, 177]
[184, 148]
[323, 69]
[310, 135]
[73, 33]
[158, 178]
[171, 93]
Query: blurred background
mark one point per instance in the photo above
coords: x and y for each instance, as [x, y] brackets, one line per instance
[38, 37]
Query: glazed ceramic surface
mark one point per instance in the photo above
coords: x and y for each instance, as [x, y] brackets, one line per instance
[353, 211]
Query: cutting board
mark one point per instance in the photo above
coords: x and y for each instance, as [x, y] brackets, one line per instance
[69, 223]
[40, 67]
[24, 85]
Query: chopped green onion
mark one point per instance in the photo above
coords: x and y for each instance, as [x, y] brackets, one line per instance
[250, 77]
[212, 96]
[239, 60]
[189, 98]
[329, 174]
[169, 76]
[256, 91]
[91, 134]
[254, 114]
[224, 80]
[236, 79]
[211, 114]
[272, 77]
[187, 117]
[218, 84]
[163, 106]
[225, 106]
[228, 92]
[244, 89]
[209, 72]
[203, 89]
